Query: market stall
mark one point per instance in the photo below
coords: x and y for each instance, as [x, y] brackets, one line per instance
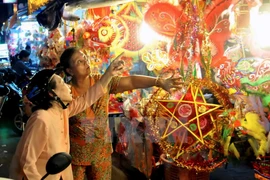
[217, 48]
[28, 33]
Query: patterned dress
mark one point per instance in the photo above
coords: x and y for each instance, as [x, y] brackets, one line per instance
[90, 137]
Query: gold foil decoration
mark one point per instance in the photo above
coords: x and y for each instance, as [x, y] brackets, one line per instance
[34, 5]
[153, 110]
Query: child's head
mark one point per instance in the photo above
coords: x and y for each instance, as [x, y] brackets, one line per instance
[45, 87]
[24, 55]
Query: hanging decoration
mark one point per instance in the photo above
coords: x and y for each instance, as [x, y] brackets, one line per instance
[34, 5]
[227, 75]
[181, 25]
[186, 28]
[117, 31]
[217, 24]
[188, 129]
[255, 77]
[97, 58]
[155, 60]
[49, 55]
[164, 18]
[130, 17]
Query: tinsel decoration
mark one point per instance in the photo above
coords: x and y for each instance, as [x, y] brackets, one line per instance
[189, 129]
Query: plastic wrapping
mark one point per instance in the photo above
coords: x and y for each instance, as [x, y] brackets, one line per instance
[133, 140]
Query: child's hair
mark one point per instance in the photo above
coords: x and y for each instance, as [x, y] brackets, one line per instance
[24, 54]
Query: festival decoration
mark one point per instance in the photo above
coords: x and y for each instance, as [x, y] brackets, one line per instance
[227, 75]
[242, 127]
[217, 23]
[255, 77]
[188, 129]
[96, 13]
[131, 18]
[34, 5]
[164, 17]
[234, 51]
[185, 47]
[117, 31]
[187, 27]
[97, 58]
[49, 55]
[101, 33]
[155, 60]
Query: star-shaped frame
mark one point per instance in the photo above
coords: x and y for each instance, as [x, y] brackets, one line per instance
[191, 117]
[188, 129]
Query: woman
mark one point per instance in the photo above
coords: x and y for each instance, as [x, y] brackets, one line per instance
[20, 67]
[89, 132]
[47, 131]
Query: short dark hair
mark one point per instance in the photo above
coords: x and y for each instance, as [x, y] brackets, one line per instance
[24, 54]
[66, 57]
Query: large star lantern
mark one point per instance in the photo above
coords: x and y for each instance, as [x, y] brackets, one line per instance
[190, 119]
[188, 129]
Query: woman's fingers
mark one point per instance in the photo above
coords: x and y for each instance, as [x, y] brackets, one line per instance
[180, 79]
[118, 67]
[177, 86]
[118, 56]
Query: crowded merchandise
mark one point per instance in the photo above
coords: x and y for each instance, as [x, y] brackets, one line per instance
[141, 89]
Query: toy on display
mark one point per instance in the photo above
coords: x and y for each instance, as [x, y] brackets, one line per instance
[49, 55]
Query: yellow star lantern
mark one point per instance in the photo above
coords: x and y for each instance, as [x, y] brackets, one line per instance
[188, 129]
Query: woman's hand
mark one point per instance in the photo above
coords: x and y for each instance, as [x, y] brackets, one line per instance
[170, 83]
[116, 67]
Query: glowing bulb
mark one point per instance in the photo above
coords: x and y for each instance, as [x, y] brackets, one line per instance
[147, 35]
[261, 29]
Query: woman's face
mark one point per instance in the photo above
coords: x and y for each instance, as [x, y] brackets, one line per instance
[79, 65]
[62, 90]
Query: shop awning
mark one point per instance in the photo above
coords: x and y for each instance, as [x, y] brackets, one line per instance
[34, 5]
[85, 4]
